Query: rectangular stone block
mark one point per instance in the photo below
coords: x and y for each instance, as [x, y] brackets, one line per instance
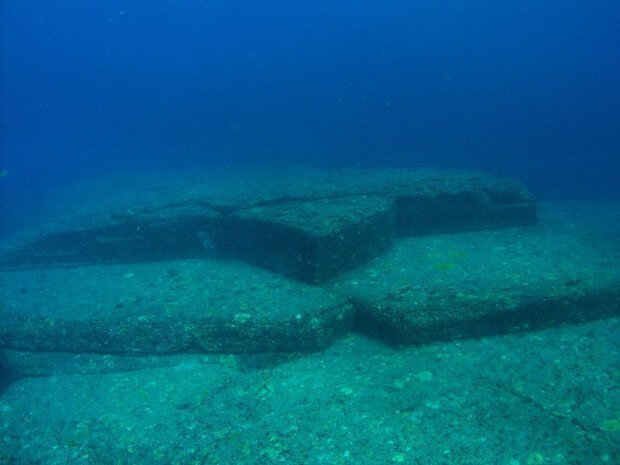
[311, 225]
[312, 241]
[452, 205]
[444, 287]
[166, 307]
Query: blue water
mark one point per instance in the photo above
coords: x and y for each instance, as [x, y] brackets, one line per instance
[528, 89]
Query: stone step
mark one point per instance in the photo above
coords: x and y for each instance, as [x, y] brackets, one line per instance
[166, 307]
[545, 397]
[311, 241]
[310, 225]
[427, 289]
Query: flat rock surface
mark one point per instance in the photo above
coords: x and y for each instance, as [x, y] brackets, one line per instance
[25, 364]
[542, 397]
[426, 289]
[16, 364]
[166, 307]
[229, 190]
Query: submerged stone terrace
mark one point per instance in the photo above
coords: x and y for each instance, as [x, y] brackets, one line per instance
[310, 225]
[213, 319]
[268, 262]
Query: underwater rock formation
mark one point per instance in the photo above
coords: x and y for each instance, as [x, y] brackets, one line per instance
[310, 225]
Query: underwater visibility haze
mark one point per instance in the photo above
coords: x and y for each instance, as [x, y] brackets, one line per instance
[525, 89]
[318, 232]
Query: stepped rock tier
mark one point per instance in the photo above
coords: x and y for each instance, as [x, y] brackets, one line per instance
[310, 225]
[135, 272]
[452, 286]
[166, 307]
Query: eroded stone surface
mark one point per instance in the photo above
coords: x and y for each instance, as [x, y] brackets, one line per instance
[566, 269]
[307, 224]
[549, 396]
[166, 307]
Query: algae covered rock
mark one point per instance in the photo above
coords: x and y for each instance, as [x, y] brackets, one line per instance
[308, 224]
[426, 289]
[166, 307]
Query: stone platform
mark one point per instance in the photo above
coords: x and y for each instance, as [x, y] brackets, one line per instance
[166, 307]
[310, 225]
[566, 269]
[206, 267]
